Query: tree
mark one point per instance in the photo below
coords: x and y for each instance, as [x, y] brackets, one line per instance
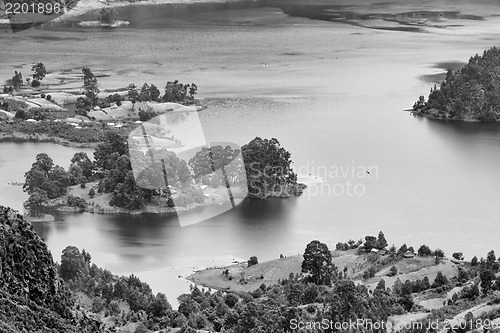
[474, 261]
[267, 165]
[39, 71]
[458, 255]
[133, 94]
[73, 264]
[487, 277]
[107, 15]
[393, 271]
[90, 85]
[83, 161]
[424, 251]
[402, 250]
[381, 241]
[44, 161]
[92, 192]
[490, 259]
[17, 80]
[154, 92]
[381, 285]
[318, 263]
[253, 261]
[440, 280]
[36, 201]
[21, 114]
[438, 253]
[370, 242]
[77, 202]
[160, 307]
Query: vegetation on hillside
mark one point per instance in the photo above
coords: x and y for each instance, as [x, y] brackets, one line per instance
[472, 93]
[37, 295]
[32, 296]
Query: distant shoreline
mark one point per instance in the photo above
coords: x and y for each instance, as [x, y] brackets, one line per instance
[18, 137]
[86, 6]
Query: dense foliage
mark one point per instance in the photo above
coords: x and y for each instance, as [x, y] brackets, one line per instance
[32, 297]
[88, 133]
[268, 167]
[472, 93]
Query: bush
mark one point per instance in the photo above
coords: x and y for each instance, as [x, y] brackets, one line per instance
[73, 201]
[48, 97]
[253, 260]
[92, 193]
[20, 114]
[35, 83]
[107, 15]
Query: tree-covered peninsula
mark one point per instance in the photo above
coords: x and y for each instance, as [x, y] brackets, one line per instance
[469, 94]
[107, 183]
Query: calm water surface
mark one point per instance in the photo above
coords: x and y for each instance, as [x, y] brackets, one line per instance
[331, 93]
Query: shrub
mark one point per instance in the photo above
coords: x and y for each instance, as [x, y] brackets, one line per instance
[35, 83]
[48, 97]
[92, 193]
[253, 260]
[73, 201]
[107, 15]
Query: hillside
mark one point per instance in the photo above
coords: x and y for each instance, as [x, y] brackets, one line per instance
[470, 94]
[32, 297]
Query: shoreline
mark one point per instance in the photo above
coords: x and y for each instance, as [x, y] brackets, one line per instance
[100, 203]
[86, 6]
[429, 116]
[18, 137]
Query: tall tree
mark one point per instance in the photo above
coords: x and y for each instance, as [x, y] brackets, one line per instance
[381, 241]
[318, 263]
[83, 161]
[267, 165]
[39, 71]
[35, 202]
[90, 85]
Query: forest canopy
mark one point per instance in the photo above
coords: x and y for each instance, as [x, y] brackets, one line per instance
[472, 93]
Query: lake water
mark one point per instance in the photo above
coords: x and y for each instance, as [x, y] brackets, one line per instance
[333, 95]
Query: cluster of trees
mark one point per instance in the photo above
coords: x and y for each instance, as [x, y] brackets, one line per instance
[48, 181]
[206, 163]
[162, 168]
[372, 242]
[39, 73]
[107, 290]
[44, 181]
[268, 167]
[174, 92]
[473, 92]
[275, 308]
[349, 245]
[84, 105]
[88, 133]
[487, 269]
[32, 296]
